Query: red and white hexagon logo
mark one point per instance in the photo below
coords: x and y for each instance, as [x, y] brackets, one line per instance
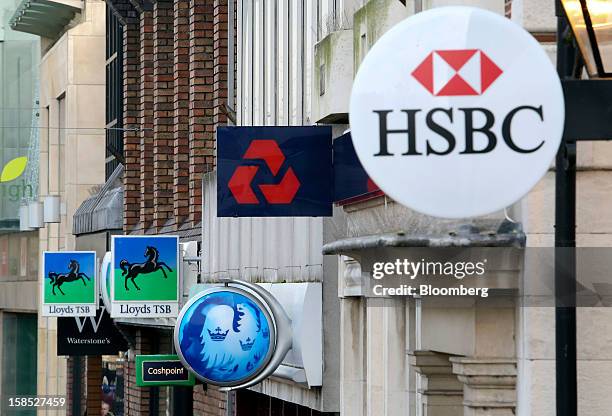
[457, 72]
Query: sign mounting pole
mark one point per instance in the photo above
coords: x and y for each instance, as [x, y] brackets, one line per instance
[565, 243]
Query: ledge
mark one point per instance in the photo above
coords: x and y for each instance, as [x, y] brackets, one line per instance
[102, 211]
[506, 236]
[46, 18]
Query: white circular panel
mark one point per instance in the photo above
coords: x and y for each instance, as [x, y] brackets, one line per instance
[456, 112]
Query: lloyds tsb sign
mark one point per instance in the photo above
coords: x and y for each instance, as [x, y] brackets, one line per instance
[456, 112]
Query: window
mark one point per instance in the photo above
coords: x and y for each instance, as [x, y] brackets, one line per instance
[114, 92]
[19, 343]
[322, 79]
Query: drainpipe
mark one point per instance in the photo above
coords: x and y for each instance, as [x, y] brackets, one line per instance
[231, 64]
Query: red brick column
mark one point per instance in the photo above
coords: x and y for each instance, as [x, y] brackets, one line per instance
[94, 384]
[163, 112]
[219, 63]
[131, 120]
[136, 399]
[209, 402]
[201, 130]
[71, 362]
[146, 118]
[181, 110]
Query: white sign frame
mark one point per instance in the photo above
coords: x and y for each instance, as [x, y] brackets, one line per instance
[145, 309]
[469, 180]
[69, 309]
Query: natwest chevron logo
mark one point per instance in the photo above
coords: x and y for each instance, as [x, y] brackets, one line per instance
[258, 169]
[457, 72]
[240, 184]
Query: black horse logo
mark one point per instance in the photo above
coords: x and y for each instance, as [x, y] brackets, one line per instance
[131, 271]
[57, 280]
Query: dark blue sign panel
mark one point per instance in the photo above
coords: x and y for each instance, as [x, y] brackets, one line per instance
[350, 178]
[274, 171]
[225, 337]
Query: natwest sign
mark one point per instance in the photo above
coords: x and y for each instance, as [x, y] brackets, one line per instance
[267, 171]
[456, 112]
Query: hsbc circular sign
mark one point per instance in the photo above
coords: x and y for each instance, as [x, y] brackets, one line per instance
[456, 112]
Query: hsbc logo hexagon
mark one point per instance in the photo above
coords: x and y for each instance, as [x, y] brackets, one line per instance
[456, 112]
[457, 72]
[274, 171]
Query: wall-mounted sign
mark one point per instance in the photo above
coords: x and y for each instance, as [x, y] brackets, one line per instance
[232, 337]
[144, 276]
[456, 112]
[162, 370]
[94, 335]
[69, 285]
[350, 179]
[274, 171]
[105, 280]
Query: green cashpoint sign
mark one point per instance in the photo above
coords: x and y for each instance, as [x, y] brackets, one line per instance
[162, 370]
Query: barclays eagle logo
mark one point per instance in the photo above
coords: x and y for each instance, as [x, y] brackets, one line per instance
[225, 337]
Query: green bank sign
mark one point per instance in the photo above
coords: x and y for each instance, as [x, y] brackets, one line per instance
[144, 276]
[162, 370]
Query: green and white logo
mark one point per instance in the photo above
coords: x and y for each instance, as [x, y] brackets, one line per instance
[145, 276]
[69, 283]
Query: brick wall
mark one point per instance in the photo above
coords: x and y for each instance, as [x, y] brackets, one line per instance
[70, 382]
[138, 400]
[131, 117]
[209, 401]
[163, 112]
[181, 110]
[94, 384]
[200, 100]
[135, 399]
[220, 61]
[175, 92]
[146, 119]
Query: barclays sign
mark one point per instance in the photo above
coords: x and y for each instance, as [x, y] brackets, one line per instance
[232, 336]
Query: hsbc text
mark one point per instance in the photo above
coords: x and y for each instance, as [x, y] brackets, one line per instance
[467, 145]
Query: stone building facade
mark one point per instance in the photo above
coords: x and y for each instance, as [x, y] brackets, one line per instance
[71, 126]
[442, 357]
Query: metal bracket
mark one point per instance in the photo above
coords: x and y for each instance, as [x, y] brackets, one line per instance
[588, 109]
[284, 333]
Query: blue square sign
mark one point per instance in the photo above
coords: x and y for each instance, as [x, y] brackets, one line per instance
[274, 171]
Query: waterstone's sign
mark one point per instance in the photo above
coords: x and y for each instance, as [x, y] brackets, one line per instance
[89, 335]
[456, 112]
[144, 276]
[162, 370]
[69, 285]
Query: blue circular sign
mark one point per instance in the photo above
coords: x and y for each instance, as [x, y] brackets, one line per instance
[225, 336]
